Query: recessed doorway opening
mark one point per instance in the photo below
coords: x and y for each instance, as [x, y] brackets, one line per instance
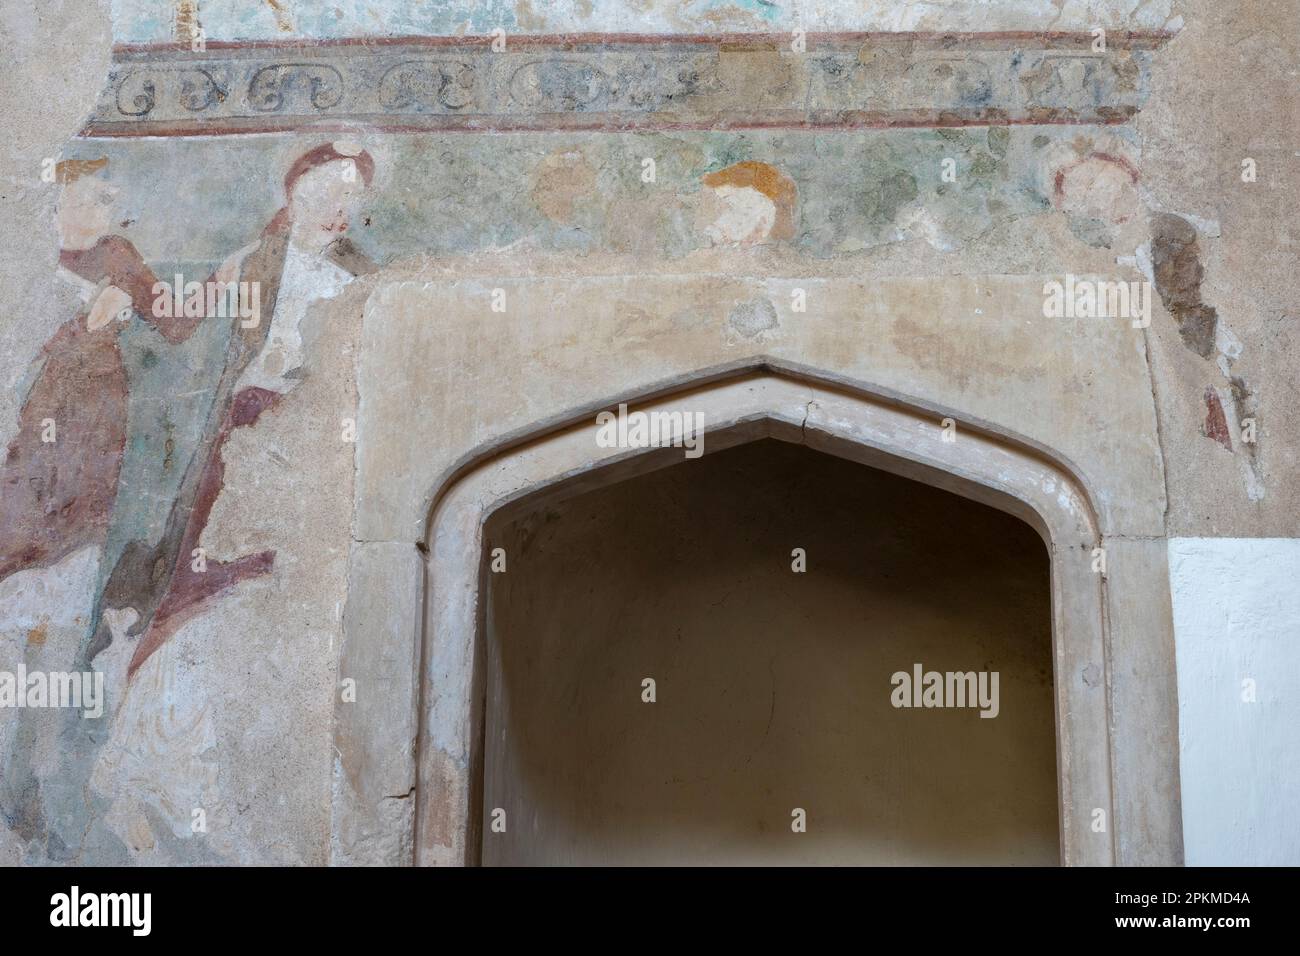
[773, 688]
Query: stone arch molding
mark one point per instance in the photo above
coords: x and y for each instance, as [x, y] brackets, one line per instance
[408, 760]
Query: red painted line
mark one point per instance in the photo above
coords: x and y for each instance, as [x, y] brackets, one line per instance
[607, 123]
[1122, 39]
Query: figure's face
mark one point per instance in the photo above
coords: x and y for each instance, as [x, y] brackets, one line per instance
[85, 212]
[737, 214]
[1099, 188]
[324, 197]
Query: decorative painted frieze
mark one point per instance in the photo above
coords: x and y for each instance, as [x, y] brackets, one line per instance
[626, 82]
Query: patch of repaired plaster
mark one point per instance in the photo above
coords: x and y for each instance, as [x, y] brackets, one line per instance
[755, 319]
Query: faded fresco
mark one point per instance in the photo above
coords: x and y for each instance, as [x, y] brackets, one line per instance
[216, 202]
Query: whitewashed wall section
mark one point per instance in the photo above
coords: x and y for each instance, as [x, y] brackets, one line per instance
[1237, 621]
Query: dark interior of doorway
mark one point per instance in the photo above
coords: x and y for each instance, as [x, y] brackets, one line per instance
[772, 687]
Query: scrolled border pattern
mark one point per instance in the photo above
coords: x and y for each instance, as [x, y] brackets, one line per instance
[842, 81]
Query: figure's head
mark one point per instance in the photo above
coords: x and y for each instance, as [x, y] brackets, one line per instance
[747, 203]
[85, 210]
[1100, 186]
[322, 185]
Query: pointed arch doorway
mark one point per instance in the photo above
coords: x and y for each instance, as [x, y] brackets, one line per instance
[716, 663]
[882, 432]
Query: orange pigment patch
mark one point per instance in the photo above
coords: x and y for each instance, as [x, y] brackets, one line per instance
[769, 181]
